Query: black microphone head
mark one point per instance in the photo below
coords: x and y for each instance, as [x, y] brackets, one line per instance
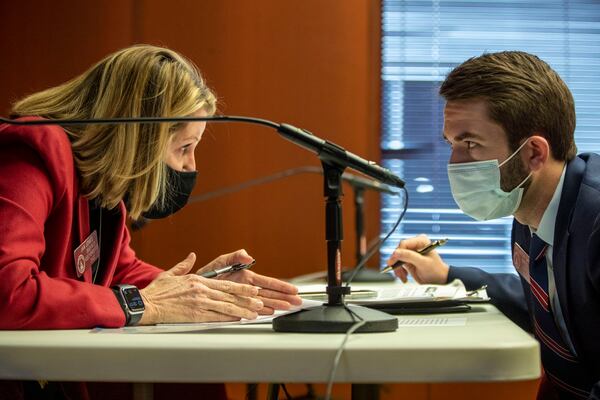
[362, 182]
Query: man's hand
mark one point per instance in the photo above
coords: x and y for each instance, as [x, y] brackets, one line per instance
[428, 268]
[177, 296]
[274, 293]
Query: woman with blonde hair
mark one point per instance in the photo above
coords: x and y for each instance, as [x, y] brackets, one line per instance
[65, 194]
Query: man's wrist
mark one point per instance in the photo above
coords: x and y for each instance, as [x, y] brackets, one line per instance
[446, 273]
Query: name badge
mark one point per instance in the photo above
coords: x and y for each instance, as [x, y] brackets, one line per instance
[521, 261]
[86, 254]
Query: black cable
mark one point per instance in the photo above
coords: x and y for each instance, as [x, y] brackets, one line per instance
[251, 391]
[379, 243]
[336, 361]
[287, 394]
[253, 182]
[346, 177]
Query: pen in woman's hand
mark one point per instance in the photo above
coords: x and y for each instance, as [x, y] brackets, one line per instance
[423, 251]
[225, 270]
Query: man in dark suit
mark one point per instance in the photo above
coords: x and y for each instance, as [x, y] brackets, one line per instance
[510, 120]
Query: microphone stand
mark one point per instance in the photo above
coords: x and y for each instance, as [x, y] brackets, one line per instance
[359, 218]
[335, 315]
[365, 274]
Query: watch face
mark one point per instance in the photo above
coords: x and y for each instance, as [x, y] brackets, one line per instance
[133, 299]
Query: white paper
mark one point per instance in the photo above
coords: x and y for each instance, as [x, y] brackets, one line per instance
[202, 326]
[431, 321]
[405, 293]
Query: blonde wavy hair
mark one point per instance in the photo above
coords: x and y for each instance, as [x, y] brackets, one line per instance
[125, 160]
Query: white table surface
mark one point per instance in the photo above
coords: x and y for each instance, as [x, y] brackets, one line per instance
[489, 347]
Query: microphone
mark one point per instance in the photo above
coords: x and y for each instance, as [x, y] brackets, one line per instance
[331, 152]
[328, 152]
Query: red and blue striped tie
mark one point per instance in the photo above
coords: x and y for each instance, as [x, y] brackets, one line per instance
[561, 366]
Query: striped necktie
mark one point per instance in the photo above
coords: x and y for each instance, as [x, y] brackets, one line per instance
[561, 366]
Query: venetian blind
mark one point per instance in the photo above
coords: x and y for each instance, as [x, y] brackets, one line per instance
[422, 40]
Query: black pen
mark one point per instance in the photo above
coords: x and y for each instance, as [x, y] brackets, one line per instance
[226, 270]
[423, 251]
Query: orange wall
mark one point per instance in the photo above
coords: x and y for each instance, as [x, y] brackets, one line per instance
[311, 63]
[44, 43]
[525, 390]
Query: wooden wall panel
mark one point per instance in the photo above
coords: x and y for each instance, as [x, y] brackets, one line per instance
[308, 63]
[44, 43]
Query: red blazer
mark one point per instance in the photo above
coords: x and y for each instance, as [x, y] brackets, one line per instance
[43, 218]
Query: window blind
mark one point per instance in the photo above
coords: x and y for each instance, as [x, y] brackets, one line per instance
[422, 40]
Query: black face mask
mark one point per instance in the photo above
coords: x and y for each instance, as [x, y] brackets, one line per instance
[180, 185]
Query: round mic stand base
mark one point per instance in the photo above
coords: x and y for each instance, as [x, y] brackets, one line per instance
[335, 319]
[335, 316]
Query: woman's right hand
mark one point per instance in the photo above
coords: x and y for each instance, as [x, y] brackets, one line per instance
[176, 296]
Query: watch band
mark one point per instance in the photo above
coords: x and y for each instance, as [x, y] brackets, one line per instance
[131, 302]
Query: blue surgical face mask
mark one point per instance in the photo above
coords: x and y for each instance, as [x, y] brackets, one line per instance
[477, 190]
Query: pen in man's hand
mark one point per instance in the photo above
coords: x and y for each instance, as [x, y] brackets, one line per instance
[225, 270]
[423, 251]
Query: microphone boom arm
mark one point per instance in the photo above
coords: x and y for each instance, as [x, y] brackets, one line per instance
[327, 151]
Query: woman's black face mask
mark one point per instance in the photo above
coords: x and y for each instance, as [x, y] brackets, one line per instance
[179, 187]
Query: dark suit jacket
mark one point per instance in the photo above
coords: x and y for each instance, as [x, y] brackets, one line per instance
[576, 262]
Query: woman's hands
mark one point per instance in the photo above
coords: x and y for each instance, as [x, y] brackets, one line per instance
[177, 296]
[274, 293]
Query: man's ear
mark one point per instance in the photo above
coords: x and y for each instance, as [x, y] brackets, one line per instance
[537, 152]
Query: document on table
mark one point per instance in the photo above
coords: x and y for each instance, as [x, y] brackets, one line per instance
[400, 293]
[202, 326]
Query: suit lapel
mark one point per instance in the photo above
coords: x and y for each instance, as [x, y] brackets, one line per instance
[570, 191]
[83, 225]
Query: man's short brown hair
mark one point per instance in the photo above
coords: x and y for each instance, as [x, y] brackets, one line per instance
[523, 94]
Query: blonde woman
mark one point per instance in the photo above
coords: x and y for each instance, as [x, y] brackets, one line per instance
[65, 194]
